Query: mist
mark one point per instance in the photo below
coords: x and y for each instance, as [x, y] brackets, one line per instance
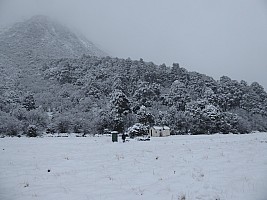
[212, 37]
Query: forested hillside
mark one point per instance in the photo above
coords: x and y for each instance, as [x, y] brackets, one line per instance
[51, 80]
[90, 94]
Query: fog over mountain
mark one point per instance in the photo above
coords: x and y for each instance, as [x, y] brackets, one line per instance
[213, 37]
[42, 38]
[25, 45]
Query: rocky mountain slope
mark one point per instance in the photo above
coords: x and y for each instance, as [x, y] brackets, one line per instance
[41, 38]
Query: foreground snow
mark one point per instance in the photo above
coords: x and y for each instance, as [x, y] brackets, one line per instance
[176, 167]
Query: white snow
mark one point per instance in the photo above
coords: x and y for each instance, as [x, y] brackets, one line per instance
[222, 167]
[161, 127]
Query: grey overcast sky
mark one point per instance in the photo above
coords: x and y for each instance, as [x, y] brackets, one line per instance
[214, 37]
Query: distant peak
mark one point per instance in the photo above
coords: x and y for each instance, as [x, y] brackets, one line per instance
[39, 18]
[43, 20]
[48, 38]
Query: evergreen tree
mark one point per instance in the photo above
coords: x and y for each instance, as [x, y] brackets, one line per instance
[29, 102]
[178, 96]
[145, 117]
[120, 107]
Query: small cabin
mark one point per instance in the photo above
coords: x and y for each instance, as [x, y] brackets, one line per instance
[159, 131]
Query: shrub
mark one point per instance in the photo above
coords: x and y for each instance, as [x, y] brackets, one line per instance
[32, 131]
[137, 129]
[9, 125]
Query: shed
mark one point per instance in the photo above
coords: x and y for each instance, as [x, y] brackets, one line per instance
[114, 136]
[159, 131]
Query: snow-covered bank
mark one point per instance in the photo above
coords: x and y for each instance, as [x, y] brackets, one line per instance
[230, 167]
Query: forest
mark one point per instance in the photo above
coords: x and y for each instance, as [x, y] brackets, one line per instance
[92, 94]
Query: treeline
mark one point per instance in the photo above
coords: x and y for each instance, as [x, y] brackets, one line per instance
[90, 94]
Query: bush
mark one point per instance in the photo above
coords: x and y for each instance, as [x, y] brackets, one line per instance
[32, 131]
[9, 125]
[62, 123]
[137, 129]
[38, 118]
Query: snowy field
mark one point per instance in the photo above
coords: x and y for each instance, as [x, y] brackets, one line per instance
[214, 167]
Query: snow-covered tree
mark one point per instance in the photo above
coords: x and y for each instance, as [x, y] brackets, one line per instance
[145, 117]
[146, 93]
[9, 124]
[229, 93]
[178, 96]
[137, 129]
[32, 131]
[120, 107]
[204, 117]
[120, 103]
[29, 102]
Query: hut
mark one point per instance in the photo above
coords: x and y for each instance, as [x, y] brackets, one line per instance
[159, 131]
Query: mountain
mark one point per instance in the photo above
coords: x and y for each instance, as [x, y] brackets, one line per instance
[42, 38]
[25, 45]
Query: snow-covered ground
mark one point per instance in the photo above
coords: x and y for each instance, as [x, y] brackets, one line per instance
[173, 168]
